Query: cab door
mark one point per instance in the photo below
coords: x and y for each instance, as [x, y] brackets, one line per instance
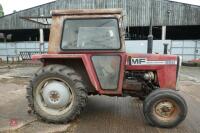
[109, 69]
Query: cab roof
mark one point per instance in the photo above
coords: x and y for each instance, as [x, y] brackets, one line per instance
[87, 11]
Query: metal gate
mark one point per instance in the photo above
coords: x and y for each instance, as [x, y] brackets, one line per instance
[188, 49]
[13, 49]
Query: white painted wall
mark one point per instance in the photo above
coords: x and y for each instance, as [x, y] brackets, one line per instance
[141, 46]
[188, 49]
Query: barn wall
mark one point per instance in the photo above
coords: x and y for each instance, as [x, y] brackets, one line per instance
[14, 21]
[138, 12]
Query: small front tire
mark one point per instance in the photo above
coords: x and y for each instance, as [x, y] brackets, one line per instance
[164, 108]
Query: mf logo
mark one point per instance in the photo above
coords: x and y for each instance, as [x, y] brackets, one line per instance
[138, 61]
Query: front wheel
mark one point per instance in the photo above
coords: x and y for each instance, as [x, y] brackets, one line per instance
[57, 94]
[164, 108]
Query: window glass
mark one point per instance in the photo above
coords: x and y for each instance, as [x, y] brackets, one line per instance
[107, 69]
[90, 34]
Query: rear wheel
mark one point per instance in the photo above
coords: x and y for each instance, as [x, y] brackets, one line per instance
[164, 108]
[57, 94]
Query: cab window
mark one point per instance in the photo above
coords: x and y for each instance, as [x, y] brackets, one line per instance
[90, 34]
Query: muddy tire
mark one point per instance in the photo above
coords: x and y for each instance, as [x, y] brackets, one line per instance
[164, 108]
[56, 94]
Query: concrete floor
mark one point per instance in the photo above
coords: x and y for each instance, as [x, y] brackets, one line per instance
[102, 115]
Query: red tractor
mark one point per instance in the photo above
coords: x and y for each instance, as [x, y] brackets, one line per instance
[86, 56]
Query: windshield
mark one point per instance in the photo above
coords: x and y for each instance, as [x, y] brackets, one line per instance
[90, 34]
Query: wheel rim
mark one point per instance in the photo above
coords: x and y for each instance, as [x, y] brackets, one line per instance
[166, 110]
[54, 96]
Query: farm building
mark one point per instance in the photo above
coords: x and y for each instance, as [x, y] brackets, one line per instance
[175, 24]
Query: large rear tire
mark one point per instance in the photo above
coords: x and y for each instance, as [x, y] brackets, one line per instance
[57, 94]
[164, 108]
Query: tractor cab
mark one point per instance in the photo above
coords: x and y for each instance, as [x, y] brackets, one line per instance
[87, 30]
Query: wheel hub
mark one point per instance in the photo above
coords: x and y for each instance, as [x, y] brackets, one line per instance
[56, 94]
[165, 109]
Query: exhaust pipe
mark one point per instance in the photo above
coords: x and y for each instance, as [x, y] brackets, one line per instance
[150, 38]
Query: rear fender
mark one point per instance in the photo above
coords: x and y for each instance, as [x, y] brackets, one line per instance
[73, 60]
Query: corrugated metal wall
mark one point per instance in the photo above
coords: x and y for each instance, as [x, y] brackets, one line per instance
[140, 46]
[14, 22]
[138, 12]
[188, 49]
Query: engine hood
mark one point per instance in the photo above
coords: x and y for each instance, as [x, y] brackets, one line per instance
[151, 59]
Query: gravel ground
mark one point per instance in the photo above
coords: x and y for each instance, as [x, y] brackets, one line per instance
[102, 115]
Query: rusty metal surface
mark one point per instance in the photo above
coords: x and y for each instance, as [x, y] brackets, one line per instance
[87, 11]
[166, 110]
[45, 20]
